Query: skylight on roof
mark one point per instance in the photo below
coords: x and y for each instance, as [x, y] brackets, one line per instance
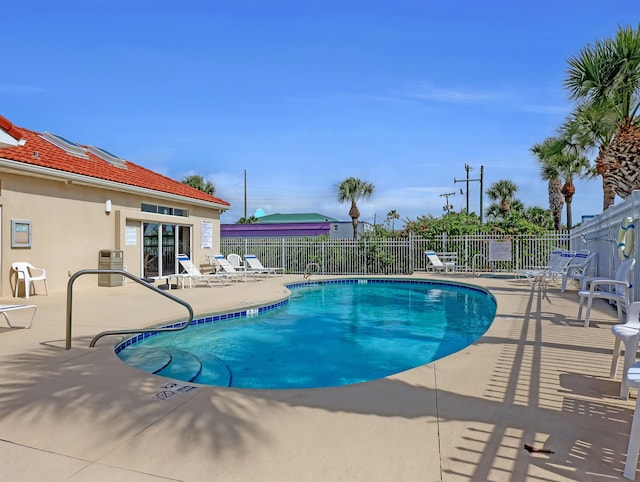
[65, 144]
[107, 156]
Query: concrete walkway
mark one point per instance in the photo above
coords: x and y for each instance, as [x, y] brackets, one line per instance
[537, 377]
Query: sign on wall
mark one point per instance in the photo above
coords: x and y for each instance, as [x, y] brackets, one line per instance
[500, 250]
[206, 234]
[131, 238]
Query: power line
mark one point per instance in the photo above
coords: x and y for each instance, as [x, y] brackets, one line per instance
[447, 207]
[468, 168]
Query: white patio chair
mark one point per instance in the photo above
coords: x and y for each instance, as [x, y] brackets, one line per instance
[578, 268]
[616, 289]
[632, 377]
[27, 274]
[236, 261]
[439, 265]
[558, 262]
[228, 268]
[254, 265]
[194, 274]
[629, 334]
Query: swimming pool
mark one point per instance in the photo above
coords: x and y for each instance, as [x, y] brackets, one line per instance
[329, 333]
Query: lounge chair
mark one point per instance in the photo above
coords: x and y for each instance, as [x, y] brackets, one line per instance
[616, 289]
[4, 309]
[439, 265]
[577, 268]
[194, 274]
[254, 265]
[229, 270]
[27, 274]
[557, 265]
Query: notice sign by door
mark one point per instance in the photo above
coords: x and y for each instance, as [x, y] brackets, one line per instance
[206, 234]
[499, 250]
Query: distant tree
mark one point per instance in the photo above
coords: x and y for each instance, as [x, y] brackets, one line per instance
[250, 220]
[540, 217]
[550, 172]
[198, 182]
[503, 193]
[391, 217]
[352, 190]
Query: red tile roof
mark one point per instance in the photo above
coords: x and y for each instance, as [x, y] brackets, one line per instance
[53, 157]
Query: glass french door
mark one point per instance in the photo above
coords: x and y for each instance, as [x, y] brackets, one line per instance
[161, 243]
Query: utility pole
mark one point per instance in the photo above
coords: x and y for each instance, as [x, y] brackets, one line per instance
[468, 168]
[245, 194]
[447, 207]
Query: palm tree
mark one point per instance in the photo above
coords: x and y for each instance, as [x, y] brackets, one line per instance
[572, 161]
[198, 182]
[354, 189]
[597, 130]
[540, 217]
[606, 77]
[392, 216]
[503, 193]
[549, 172]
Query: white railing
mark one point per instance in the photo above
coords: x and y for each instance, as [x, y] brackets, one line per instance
[395, 256]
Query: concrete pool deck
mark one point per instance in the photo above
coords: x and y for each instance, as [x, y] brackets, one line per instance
[537, 377]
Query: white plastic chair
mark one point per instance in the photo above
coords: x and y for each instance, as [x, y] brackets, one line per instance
[629, 334]
[557, 265]
[438, 264]
[193, 273]
[618, 290]
[236, 261]
[632, 377]
[27, 274]
[578, 267]
[227, 267]
[254, 265]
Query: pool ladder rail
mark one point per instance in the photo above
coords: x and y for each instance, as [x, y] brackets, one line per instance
[307, 271]
[140, 281]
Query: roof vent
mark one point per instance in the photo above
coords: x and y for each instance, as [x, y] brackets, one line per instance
[65, 144]
[107, 156]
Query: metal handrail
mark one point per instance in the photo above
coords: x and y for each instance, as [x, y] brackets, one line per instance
[307, 270]
[121, 332]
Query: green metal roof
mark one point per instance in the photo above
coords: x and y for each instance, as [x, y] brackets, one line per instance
[296, 218]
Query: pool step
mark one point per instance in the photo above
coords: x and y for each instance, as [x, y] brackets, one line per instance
[148, 360]
[184, 366]
[214, 371]
[177, 364]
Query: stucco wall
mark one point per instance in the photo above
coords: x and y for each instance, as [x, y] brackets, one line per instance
[70, 226]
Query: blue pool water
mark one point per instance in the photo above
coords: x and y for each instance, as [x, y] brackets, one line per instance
[328, 334]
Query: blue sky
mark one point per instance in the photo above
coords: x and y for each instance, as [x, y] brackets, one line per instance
[303, 94]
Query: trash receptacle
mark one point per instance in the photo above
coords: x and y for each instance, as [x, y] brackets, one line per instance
[110, 259]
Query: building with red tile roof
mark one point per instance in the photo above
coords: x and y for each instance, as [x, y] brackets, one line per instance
[77, 200]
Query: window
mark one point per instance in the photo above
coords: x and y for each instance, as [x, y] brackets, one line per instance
[20, 234]
[169, 211]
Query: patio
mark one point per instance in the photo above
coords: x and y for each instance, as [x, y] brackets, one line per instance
[537, 377]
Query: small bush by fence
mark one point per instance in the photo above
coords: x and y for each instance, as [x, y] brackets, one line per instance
[397, 256]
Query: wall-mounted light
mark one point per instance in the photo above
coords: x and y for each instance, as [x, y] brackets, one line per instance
[107, 206]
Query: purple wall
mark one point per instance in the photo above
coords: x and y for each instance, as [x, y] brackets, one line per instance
[273, 230]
